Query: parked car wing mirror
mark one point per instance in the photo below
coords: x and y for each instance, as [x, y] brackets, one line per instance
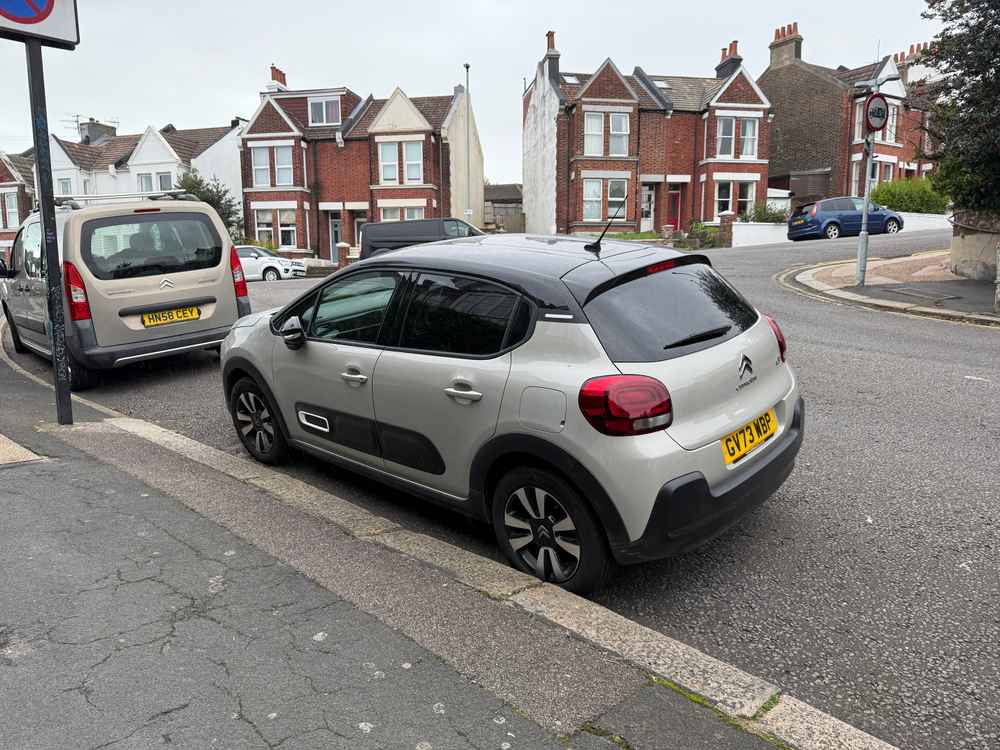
[5, 273]
[292, 333]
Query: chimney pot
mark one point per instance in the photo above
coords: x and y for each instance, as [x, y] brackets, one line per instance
[733, 45]
[777, 34]
[795, 27]
[723, 55]
[550, 40]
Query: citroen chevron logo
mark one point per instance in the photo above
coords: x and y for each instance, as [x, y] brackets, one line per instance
[746, 368]
[166, 284]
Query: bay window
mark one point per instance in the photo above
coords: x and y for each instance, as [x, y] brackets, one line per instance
[724, 136]
[618, 142]
[261, 166]
[592, 200]
[859, 120]
[748, 139]
[164, 180]
[413, 155]
[390, 214]
[723, 198]
[144, 182]
[413, 214]
[286, 227]
[737, 197]
[593, 134]
[283, 165]
[10, 207]
[890, 125]
[744, 198]
[388, 159]
[617, 191]
[264, 224]
[65, 186]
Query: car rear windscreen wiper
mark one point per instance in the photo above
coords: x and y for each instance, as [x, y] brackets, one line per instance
[712, 333]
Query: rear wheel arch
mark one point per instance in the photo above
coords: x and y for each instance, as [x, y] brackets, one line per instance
[507, 452]
[826, 228]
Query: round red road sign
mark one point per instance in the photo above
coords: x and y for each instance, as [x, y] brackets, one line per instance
[876, 112]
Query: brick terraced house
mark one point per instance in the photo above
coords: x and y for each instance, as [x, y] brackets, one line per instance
[17, 196]
[817, 137]
[666, 150]
[319, 163]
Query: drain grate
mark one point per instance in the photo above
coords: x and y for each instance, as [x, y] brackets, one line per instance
[936, 297]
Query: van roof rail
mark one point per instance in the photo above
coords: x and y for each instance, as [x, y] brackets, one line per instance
[83, 200]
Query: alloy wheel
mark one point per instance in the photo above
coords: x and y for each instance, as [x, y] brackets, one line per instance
[542, 533]
[833, 231]
[270, 275]
[256, 425]
[892, 227]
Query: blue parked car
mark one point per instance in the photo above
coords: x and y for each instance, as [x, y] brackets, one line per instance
[840, 217]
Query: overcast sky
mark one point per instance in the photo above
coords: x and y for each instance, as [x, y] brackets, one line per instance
[197, 63]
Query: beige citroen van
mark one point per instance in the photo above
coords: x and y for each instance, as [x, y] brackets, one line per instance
[141, 280]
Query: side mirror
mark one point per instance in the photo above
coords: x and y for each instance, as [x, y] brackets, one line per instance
[292, 333]
[5, 272]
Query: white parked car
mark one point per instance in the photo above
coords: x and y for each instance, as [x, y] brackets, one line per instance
[259, 263]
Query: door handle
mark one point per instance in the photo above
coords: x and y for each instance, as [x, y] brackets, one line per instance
[354, 377]
[460, 394]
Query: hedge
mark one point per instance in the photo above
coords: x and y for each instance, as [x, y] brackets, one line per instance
[917, 196]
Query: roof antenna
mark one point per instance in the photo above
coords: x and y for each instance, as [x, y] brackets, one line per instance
[595, 246]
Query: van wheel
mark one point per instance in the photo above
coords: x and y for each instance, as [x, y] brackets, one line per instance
[271, 275]
[832, 231]
[256, 422]
[545, 529]
[80, 378]
[15, 337]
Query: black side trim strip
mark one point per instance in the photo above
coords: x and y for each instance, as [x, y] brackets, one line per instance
[349, 430]
[165, 306]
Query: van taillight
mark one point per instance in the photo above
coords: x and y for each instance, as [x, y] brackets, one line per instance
[776, 329]
[76, 293]
[626, 404]
[239, 280]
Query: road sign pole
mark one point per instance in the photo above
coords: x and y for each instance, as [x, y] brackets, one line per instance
[50, 244]
[869, 160]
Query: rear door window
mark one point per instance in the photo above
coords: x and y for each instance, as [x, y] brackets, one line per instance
[838, 204]
[134, 245]
[458, 315]
[652, 317]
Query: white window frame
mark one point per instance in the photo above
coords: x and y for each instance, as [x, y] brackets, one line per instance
[623, 201]
[748, 143]
[891, 124]
[383, 148]
[261, 173]
[9, 203]
[856, 178]
[419, 163]
[887, 167]
[719, 137]
[859, 121]
[140, 178]
[280, 169]
[590, 133]
[599, 200]
[413, 213]
[748, 201]
[325, 101]
[269, 231]
[159, 180]
[718, 209]
[283, 228]
[305, 174]
[391, 213]
[613, 133]
[68, 182]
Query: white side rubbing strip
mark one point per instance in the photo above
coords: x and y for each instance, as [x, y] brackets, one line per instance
[314, 420]
[557, 316]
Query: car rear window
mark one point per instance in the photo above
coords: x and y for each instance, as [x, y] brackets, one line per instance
[803, 209]
[133, 245]
[654, 315]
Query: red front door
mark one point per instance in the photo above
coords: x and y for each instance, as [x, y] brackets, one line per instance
[674, 209]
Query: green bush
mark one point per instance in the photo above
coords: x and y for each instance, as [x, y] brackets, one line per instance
[918, 196]
[763, 212]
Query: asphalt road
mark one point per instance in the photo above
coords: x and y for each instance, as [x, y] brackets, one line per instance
[867, 586]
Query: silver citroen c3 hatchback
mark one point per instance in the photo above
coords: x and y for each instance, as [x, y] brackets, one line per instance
[594, 407]
[141, 280]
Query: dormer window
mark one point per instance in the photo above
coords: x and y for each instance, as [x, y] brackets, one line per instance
[573, 80]
[663, 85]
[324, 111]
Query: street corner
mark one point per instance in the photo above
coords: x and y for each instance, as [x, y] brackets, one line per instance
[917, 284]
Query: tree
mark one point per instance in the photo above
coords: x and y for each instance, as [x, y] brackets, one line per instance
[966, 109]
[216, 194]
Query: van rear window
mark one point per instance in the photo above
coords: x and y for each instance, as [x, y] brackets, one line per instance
[663, 314]
[134, 245]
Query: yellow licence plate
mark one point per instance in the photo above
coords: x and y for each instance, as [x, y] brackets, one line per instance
[752, 435]
[163, 317]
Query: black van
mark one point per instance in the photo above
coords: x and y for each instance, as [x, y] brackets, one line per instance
[379, 236]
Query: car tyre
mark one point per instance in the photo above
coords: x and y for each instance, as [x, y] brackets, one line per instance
[832, 231]
[271, 274]
[81, 378]
[15, 337]
[891, 226]
[255, 420]
[545, 528]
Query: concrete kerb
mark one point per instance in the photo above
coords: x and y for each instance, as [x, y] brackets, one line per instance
[747, 699]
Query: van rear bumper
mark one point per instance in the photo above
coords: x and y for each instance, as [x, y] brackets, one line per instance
[84, 348]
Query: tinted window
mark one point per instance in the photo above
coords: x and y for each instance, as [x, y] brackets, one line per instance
[838, 204]
[455, 228]
[648, 318]
[457, 315]
[245, 252]
[303, 309]
[149, 244]
[353, 309]
[803, 209]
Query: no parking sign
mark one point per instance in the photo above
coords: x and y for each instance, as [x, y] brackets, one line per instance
[52, 22]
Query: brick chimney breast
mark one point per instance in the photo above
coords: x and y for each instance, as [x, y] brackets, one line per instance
[787, 45]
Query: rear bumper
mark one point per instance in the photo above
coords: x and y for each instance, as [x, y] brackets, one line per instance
[84, 348]
[804, 231]
[687, 513]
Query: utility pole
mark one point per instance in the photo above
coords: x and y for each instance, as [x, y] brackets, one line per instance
[468, 149]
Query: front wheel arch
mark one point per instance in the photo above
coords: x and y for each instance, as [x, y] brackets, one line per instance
[236, 369]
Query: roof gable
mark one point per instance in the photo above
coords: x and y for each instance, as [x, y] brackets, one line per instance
[152, 149]
[608, 83]
[271, 118]
[399, 114]
[740, 88]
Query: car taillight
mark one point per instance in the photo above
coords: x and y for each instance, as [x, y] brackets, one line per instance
[239, 280]
[76, 293]
[782, 344]
[626, 404]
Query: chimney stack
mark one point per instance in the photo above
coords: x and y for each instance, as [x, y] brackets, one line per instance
[550, 40]
[551, 59]
[731, 61]
[93, 132]
[787, 45]
[278, 81]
